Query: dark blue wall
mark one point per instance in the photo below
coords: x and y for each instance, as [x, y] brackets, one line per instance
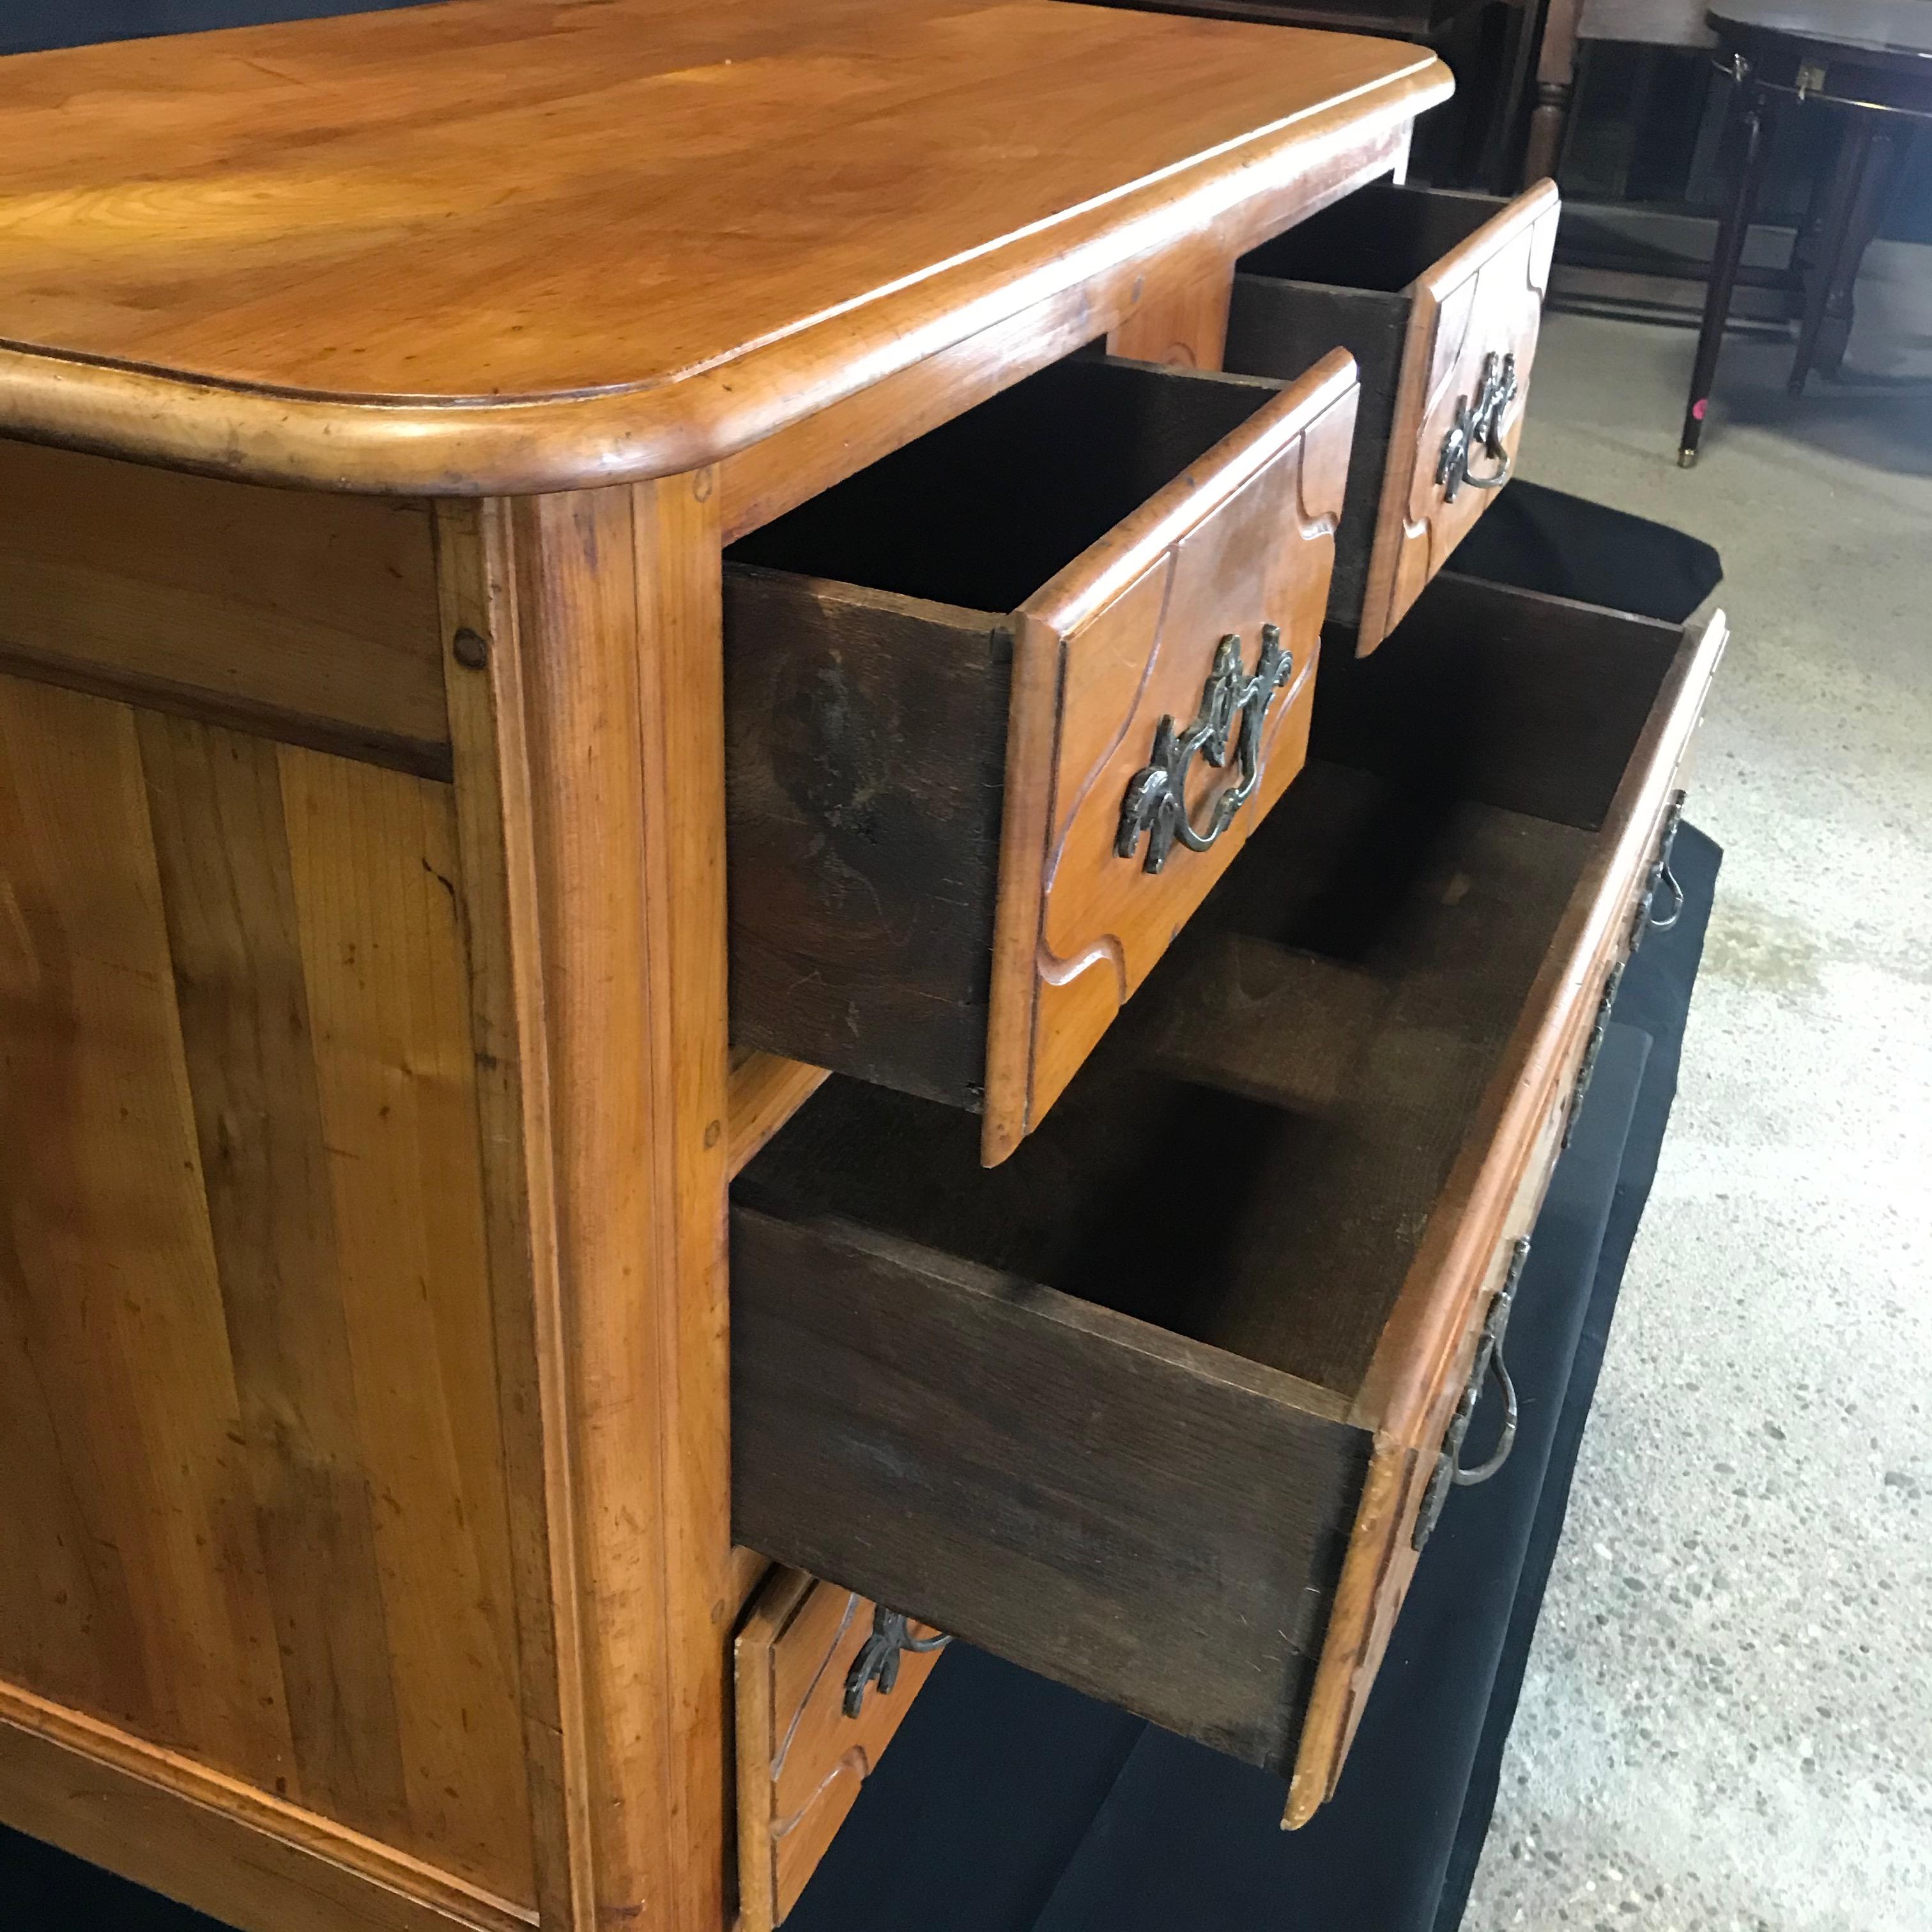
[26, 25]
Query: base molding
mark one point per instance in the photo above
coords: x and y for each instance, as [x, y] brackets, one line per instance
[213, 1843]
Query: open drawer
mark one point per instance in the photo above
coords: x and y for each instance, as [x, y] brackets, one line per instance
[1157, 1408]
[1439, 296]
[969, 692]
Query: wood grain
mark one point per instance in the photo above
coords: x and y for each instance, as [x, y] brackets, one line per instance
[866, 739]
[1441, 961]
[216, 804]
[609, 789]
[476, 592]
[801, 1760]
[320, 272]
[1167, 1542]
[1183, 323]
[135, 1590]
[374, 869]
[794, 462]
[1276, 326]
[245, 1264]
[307, 618]
[1381, 1559]
[766, 1089]
[220, 1845]
[1492, 1194]
[1407, 1368]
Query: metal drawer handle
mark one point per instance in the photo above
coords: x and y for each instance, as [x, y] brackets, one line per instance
[1156, 795]
[1666, 877]
[1478, 426]
[1449, 1472]
[1666, 840]
[878, 1658]
[1467, 1478]
[1645, 919]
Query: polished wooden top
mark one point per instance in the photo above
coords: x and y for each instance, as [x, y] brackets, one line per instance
[516, 244]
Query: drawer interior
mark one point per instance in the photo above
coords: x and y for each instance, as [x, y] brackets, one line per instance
[1251, 1158]
[1381, 238]
[982, 511]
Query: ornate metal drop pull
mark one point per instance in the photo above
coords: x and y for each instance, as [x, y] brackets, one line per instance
[1157, 796]
[1662, 874]
[1478, 426]
[878, 1658]
[1449, 1472]
[1645, 919]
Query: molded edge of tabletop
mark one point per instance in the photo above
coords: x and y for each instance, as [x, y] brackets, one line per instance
[527, 446]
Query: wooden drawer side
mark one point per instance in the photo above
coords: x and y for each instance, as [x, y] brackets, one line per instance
[864, 761]
[1278, 328]
[909, 1424]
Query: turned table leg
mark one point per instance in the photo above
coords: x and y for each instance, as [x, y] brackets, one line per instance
[1555, 85]
[1753, 147]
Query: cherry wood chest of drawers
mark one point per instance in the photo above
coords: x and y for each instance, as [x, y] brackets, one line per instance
[567, 566]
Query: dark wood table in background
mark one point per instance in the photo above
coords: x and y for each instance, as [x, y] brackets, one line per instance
[1870, 64]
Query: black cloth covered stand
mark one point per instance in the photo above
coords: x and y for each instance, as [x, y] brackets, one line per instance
[1544, 540]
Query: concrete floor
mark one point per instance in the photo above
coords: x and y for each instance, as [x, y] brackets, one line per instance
[1728, 1718]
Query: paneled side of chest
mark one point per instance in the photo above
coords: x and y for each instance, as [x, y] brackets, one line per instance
[255, 1485]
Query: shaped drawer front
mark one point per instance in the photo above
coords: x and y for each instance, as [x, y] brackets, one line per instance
[809, 1737]
[1001, 708]
[1466, 367]
[1161, 690]
[1438, 296]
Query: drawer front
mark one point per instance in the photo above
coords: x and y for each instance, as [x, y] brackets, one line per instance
[1424, 1364]
[803, 1756]
[1171, 665]
[1466, 362]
